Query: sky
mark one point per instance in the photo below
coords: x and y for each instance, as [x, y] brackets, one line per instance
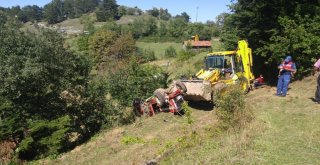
[198, 10]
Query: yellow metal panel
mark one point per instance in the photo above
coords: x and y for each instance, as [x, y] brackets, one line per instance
[223, 53]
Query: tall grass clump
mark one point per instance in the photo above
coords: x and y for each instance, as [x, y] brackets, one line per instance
[185, 54]
[170, 52]
[231, 108]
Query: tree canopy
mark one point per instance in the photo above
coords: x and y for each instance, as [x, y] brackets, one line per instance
[275, 29]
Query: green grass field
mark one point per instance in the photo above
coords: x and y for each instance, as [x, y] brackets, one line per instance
[159, 48]
[174, 67]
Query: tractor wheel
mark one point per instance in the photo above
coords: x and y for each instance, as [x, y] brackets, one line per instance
[160, 98]
[137, 107]
[181, 86]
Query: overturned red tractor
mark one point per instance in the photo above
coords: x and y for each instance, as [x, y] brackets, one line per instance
[163, 100]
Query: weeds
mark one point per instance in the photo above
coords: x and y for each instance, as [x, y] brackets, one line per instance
[170, 52]
[187, 113]
[231, 109]
[132, 140]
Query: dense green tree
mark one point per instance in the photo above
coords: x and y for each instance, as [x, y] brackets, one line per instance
[184, 15]
[75, 8]
[135, 81]
[30, 13]
[108, 10]
[134, 11]
[221, 18]
[100, 44]
[34, 70]
[14, 11]
[3, 18]
[162, 29]
[268, 26]
[177, 27]
[153, 12]
[164, 14]
[122, 10]
[144, 26]
[123, 46]
[54, 12]
[47, 103]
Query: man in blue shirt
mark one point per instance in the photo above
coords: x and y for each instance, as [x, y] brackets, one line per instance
[287, 69]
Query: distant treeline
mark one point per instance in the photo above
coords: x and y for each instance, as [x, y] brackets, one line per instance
[105, 10]
[156, 24]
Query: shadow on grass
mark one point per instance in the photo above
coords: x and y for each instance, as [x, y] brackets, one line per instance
[314, 100]
[201, 105]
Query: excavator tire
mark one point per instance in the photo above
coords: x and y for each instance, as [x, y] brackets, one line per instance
[181, 86]
[160, 98]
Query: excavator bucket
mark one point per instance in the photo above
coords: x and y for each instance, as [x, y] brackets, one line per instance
[197, 90]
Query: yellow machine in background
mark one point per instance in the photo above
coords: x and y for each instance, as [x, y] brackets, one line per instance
[221, 69]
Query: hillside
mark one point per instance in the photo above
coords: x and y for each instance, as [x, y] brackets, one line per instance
[285, 131]
[75, 26]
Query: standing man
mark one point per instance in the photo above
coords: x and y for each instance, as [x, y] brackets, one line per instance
[317, 68]
[287, 69]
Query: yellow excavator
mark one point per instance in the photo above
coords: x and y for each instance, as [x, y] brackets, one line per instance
[221, 69]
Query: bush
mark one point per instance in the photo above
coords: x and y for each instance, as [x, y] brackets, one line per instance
[83, 43]
[170, 52]
[135, 81]
[48, 104]
[35, 70]
[146, 55]
[231, 109]
[185, 54]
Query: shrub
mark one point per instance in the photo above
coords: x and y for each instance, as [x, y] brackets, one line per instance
[83, 43]
[146, 55]
[100, 44]
[123, 46]
[48, 103]
[185, 54]
[170, 52]
[135, 81]
[231, 109]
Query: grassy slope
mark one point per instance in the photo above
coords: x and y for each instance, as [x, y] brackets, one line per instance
[155, 135]
[285, 131]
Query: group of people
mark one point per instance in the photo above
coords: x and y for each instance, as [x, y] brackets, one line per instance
[287, 69]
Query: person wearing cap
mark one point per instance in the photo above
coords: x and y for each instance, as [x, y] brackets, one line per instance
[317, 69]
[287, 69]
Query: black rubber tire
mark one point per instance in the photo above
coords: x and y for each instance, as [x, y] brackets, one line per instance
[181, 86]
[161, 98]
[136, 107]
